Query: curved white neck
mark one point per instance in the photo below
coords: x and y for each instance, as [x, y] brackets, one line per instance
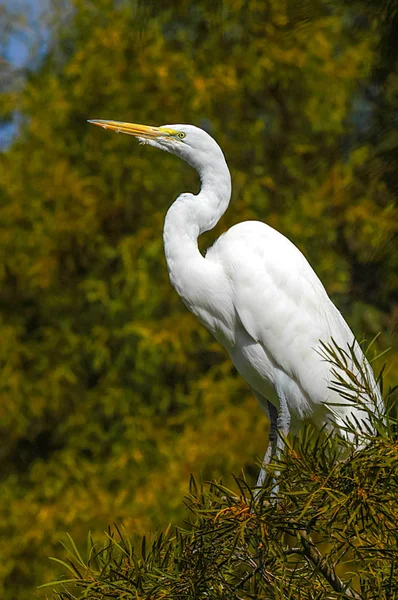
[187, 218]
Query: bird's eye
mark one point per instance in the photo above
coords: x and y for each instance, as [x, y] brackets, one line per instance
[181, 135]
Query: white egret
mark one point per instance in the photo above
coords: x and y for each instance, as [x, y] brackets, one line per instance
[253, 290]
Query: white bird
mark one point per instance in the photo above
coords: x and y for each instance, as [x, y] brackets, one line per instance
[253, 290]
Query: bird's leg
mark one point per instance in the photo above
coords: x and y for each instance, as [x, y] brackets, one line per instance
[283, 426]
[272, 442]
[283, 420]
[279, 424]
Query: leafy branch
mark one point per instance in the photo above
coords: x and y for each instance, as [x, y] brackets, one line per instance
[330, 534]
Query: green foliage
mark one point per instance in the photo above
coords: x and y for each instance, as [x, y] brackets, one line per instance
[330, 532]
[111, 394]
[241, 546]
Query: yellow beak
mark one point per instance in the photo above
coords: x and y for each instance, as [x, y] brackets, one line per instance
[143, 131]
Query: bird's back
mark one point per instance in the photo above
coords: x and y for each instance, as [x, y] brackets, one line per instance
[283, 311]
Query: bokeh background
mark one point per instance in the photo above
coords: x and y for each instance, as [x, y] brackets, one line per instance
[111, 393]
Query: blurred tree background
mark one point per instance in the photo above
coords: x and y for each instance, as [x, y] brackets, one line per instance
[111, 392]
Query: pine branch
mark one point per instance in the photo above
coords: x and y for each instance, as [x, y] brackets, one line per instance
[311, 552]
[238, 543]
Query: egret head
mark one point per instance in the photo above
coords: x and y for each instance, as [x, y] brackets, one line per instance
[191, 143]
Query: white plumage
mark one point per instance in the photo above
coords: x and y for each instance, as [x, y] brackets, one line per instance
[254, 290]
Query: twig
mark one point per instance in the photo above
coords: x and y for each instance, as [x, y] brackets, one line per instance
[290, 551]
[311, 552]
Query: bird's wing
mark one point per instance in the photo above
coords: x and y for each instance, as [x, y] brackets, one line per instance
[281, 302]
